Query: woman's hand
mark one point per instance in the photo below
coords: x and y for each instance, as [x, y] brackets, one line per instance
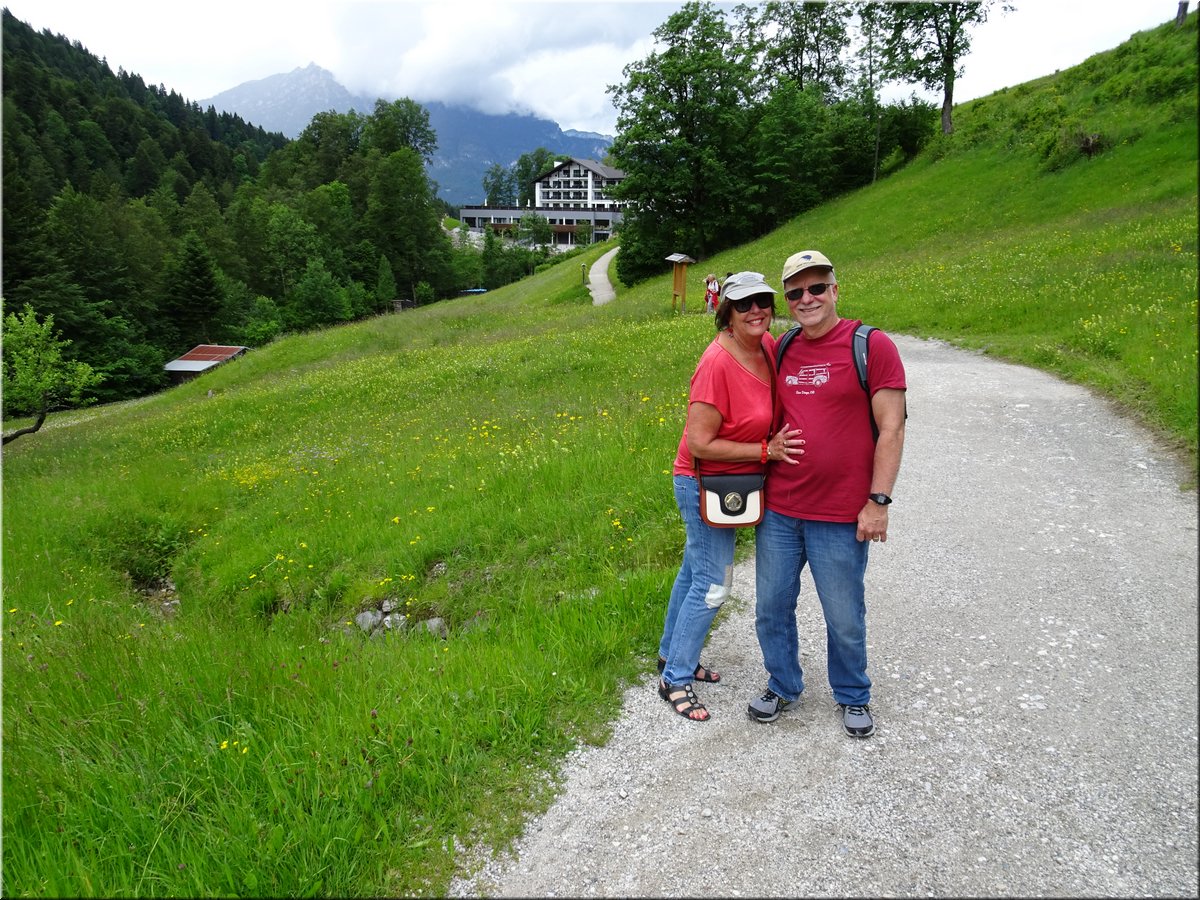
[785, 445]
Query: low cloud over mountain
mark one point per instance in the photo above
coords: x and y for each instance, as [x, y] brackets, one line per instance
[468, 141]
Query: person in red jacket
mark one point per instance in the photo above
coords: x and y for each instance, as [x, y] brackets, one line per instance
[824, 510]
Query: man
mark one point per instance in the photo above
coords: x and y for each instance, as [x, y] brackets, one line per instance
[826, 507]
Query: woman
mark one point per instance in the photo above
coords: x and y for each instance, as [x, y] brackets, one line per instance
[712, 290]
[728, 420]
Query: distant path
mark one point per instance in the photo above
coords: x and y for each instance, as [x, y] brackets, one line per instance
[598, 282]
[1033, 646]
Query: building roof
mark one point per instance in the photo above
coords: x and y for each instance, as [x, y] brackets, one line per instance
[598, 167]
[204, 356]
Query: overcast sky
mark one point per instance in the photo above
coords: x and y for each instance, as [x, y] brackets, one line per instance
[551, 59]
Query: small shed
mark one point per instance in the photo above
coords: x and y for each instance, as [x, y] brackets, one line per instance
[679, 284]
[200, 359]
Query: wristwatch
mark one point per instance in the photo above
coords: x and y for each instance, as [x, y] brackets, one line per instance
[881, 499]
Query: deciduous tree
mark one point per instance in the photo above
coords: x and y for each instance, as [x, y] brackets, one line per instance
[926, 42]
[323, 147]
[499, 186]
[37, 377]
[684, 117]
[316, 300]
[397, 125]
[807, 44]
[404, 222]
[526, 170]
[291, 243]
[794, 169]
[535, 230]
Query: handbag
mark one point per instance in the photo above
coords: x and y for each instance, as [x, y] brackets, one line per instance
[734, 500]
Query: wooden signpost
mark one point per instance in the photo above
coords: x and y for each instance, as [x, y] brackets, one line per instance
[679, 283]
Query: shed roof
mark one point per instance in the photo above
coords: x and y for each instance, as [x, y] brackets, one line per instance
[203, 357]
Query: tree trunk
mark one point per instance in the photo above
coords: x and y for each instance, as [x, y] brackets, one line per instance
[947, 107]
[878, 129]
[13, 435]
[1181, 13]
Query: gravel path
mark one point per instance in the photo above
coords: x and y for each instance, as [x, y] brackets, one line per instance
[599, 284]
[1033, 630]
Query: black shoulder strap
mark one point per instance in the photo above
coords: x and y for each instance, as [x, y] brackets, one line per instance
[859, 349]
[784, 339]
[861, 336]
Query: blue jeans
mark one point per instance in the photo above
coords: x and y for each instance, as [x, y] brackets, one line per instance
[703, 584]
[837, 561]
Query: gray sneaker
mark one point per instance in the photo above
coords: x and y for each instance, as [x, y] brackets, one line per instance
[768, 707]
[857, 720]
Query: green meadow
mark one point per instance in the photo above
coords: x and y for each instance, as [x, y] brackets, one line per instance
[502, 463]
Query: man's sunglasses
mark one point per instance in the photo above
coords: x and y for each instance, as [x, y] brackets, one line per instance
[815, 289]
[762, 301]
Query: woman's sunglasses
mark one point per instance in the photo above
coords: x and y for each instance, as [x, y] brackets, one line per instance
[762, 301]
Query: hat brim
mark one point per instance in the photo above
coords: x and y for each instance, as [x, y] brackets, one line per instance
[738, 291]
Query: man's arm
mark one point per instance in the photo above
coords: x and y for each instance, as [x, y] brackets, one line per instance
[888, 408]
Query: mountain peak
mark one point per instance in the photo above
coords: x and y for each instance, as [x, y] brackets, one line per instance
[469, 142]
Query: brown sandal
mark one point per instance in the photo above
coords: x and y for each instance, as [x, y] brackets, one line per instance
[702, 673]
[685, 702]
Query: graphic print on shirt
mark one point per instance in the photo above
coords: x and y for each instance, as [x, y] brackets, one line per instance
[808, 376]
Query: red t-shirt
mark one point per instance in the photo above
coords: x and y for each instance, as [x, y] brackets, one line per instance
[818, 391]
[741, 397]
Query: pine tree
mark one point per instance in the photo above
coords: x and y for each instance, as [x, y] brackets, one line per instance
[385, 284]
[193, 296]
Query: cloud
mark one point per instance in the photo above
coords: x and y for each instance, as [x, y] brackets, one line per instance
[553, 59]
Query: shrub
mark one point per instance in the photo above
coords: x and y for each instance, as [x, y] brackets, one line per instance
[1071, 143]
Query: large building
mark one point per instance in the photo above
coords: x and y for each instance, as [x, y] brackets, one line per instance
[573, 193]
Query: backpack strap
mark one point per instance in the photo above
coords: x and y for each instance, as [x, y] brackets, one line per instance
[859, 347]
[861, 335]
[784, 339]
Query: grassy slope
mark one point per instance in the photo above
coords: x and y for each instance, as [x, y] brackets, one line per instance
[500, 461]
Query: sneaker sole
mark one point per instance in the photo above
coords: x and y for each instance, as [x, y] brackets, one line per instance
[761, 719]
[855, 734]
[766, 719]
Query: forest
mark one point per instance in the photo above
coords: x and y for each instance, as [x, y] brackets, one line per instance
[144, 225]
[140, 225]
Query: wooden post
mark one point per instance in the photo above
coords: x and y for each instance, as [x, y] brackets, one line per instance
[679, 281]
